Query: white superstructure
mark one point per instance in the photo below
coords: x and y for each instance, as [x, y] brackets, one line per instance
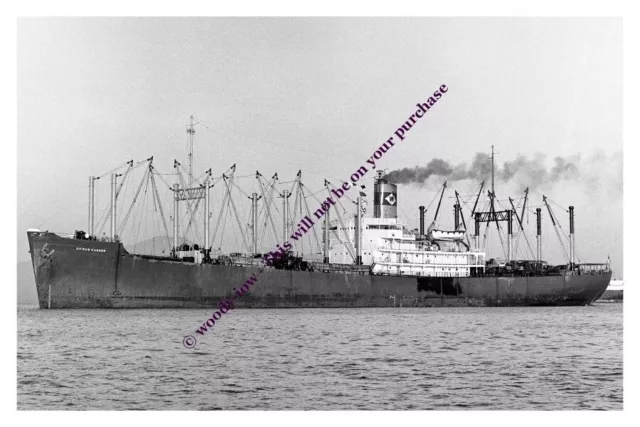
[389, 248]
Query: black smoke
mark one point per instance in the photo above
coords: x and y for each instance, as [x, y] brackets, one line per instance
[529, 172]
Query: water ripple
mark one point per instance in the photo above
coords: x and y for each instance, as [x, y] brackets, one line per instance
[335, 359]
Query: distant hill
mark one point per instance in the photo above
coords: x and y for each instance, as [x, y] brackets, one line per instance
[27, 293]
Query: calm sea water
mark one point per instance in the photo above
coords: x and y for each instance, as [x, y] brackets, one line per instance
[398, 358]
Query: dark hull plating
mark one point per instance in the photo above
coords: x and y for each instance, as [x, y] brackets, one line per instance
[74, 273]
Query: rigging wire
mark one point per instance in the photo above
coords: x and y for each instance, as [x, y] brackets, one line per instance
[144, 180]
[157, 199]
[315, 232]
[224, 225]
[504, 250]
[160, 175]
[347, 242]
[113, 170]
[124, 179]
[268, 201]
[561, 207]
[190, 206]
[191, 221]
[521, 231]
[220, 216]
[142, 210]
[555, 228]
[235, 211]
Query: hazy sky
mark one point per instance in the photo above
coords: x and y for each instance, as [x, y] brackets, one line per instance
[320, 95]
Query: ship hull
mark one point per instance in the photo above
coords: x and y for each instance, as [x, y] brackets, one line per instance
[73, 273]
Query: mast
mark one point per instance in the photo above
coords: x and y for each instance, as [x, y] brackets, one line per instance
[539, 233]
[493, 210]
[493, 190]
[359, 231]
[475, 216]
[89, 208]
[509, 235]
[572, 239]
[326, 236]
[285, 213]
[175, 219]
[206, 219]
[477, 230]
[91, 205]
[254, 222]
[191, 131]
[112, 232]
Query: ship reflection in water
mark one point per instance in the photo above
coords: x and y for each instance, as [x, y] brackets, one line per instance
[545, 358]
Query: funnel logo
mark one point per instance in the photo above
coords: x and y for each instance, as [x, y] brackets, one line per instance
[390, 200]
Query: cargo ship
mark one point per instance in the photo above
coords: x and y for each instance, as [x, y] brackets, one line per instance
[367, 261]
